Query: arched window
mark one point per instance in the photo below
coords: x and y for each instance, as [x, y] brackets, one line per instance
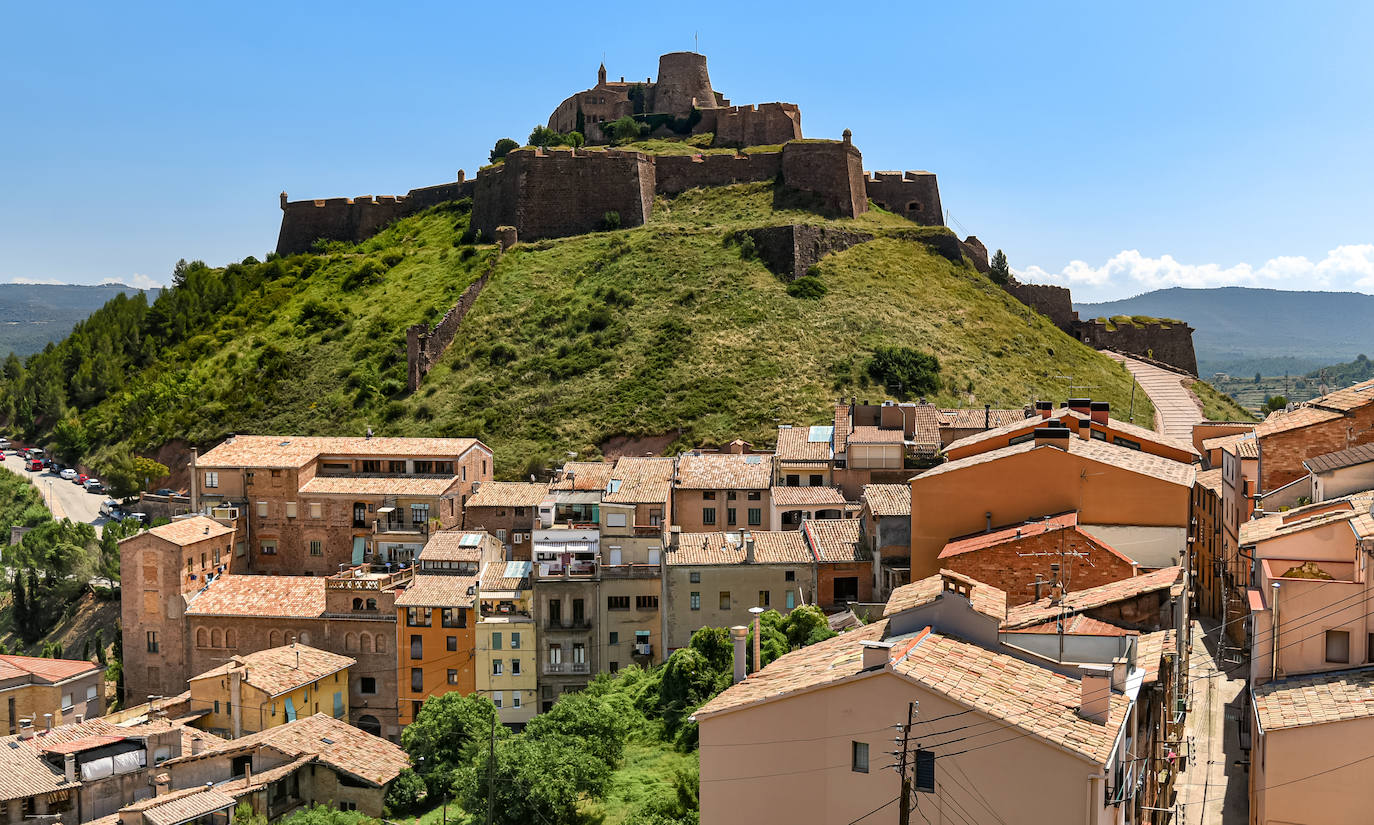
[216, 638]
[231, 638]
[371, 604]
[357, 604]
[369, 724]
[202, 637]
[367, 643]
[274, 639]
[350, 642]
[381, 643]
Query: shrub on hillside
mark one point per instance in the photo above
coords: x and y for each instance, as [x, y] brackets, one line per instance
[317, 316]
[807, 286]
[368, 272]
[610, 220]
[904, 370]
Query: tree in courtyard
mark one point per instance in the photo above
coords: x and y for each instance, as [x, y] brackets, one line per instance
[443, 734]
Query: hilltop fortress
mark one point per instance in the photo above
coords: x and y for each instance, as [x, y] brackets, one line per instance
[535, 193]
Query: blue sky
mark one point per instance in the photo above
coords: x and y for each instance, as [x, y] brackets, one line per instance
[1112, 148]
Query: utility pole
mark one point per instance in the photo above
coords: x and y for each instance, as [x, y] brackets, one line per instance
[904, 804]
[491, 773]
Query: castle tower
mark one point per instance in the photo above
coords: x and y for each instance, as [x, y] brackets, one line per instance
[683, 83]
[601, 76]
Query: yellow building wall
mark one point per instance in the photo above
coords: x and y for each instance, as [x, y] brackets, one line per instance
[258, 709]
[508, 685]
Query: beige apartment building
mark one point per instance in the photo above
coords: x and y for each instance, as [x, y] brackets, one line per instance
[56, 691]
[306, 505]
[507, 648]
[712, 579]
[270, 687]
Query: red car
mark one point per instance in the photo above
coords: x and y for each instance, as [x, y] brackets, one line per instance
[81, 479]
[35, 465]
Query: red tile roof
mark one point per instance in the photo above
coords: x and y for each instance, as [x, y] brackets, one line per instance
[51, 670]
[835, 541]
[795, 444]
[1315, 699]
[447, 545]
[379, 486]
[287, 451]
[887, 499]
[1016, 532]
[725, 471]
[985, 598]
[640, 481]
[1135, 461]
[236, 594]
[584, 475]
[189, 530]
[976, 419]
[282, 669]
[875, 435]
[1027, 615]
[508, 494]
[438, 591]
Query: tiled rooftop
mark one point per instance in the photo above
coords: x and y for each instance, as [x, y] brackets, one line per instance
[1133, 431]
[509, 494]
[1032, 699]
[438, 591]
[797, 444]
[835, 541]
[1314, 699]
[1243, 445]
[725, 471]
[1044, 610]
[449, 545]
[986, 599]
[189, 530]
[1174, 472]
[234, 594]
[1211, 479]
[877, 435]
[1352, 508]
[589, 476]
[770, 547]
[1339, 460]
[176, 808]
[641, 480]
[49, 670]
[379, 486]
[506, 575]
[287, 451]
[1304, 415]
[23, 770]
[1002, 535]
[888, 499]
[1078, 625]
[976, 419]
[282, 669]
[828, 497]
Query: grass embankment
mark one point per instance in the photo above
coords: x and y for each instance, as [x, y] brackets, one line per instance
[667, 328]
[1218, 406]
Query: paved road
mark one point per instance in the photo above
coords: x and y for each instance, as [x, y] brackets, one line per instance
[1213, 789]
[1175, 410]
[64, 498]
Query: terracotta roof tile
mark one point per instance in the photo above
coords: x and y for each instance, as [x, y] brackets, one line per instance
[585, 475]
[986, 599]
[189, 530]
[1044, 610]
[1345, 508]
[1150, 651]
[770, 547]
[828, 497]
[1078, 625]
[509, 494]
[877, 435]
[1243, 445]
[50, 670]
[448, 545]
[1304, 415]
[176, 808]
[1002, 535]
[438, 591]
[234, 594]
[725, 471]
[1211, 479]
[379, 486]
[835, 541]
[282, 669]
[887, 499]
[641, 480]
[976, 419]
[796, 444]
[1339, 460]
[1175, 472]
[1347, 398]
[288, 451]
[1024, 425]
[506, 575]
[1313, 699]
[23, 770]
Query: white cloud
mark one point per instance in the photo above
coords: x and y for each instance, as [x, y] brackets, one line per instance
[39, 281]
[1348, 267]
[136, 280]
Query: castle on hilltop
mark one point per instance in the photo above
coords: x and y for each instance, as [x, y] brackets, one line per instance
[681, 102]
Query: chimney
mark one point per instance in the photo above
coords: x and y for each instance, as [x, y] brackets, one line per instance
[162, 783]
[674, 538]
[69, 768]
[748, 547]
[195, 483]
[1096, 694]
[1120, 669]
[876, 654]
[197, 745]
[1052, 436]
[1044, 408]
[47, 721]
[248, 775]
[1101, 411]
[80, 717]
[739, 634]
[236, 675]
[26, 729]
[1082, 406]
[987, 416]
[1039, 583]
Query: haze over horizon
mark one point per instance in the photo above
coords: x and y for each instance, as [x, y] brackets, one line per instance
[1112, 150]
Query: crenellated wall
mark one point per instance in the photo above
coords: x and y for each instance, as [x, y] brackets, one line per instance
[1169, 343]
[550, 194]
[1053, 302]
[914, 195]
[357, 219]
[828, 168]
[678, 173]
[761, 125]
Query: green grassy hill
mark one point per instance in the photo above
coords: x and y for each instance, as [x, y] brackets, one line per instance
[671, 329]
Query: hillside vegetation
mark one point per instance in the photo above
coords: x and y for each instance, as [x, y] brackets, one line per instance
[673, 329]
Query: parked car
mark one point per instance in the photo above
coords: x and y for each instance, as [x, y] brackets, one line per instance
[68, 474]
[34, 465]
[141, 517]
[109, 507]
[93, 485]
[165, 491]
[81, 479]
[4, 443]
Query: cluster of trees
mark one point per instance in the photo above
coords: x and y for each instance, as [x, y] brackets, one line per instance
[906, 371]
[567, 755]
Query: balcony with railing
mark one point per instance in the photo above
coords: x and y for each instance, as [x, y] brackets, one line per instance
[366, 577]
[630, 571]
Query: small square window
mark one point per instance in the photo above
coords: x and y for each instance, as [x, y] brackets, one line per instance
[694, 578]
[789, 575]
[1338, 646]
[859, 758]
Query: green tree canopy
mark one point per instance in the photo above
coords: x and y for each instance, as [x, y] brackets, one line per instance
[906, 371]
[999, 271]
[502, 148]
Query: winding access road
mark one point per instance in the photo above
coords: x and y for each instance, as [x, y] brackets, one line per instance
[1175, 409]
[64, 498]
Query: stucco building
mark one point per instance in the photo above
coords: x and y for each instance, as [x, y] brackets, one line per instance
[270, 687]
[885, 516]
[507, 650]
[509, 510]
[1335, 421]
[722, 491]
[60, 691]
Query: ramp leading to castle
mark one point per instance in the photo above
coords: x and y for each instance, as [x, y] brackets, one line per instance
[1175, 410]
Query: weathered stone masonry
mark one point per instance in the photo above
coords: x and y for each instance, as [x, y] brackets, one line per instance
[357, 219]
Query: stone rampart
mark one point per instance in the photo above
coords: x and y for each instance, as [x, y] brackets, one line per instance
[682, 84]
[357, 219]
[913, 195]
[558, 193]
[1053, 302]
[764, 124]
[678, 173]
[976, 252]
[425, 346]
[789, 251]
[831, 169]
[1170, 343]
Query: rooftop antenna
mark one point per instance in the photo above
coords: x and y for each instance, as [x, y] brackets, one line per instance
[696, 46]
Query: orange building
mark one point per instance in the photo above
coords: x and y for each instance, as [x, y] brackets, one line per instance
[436, 644]
[1085, 419]
[1136, 502]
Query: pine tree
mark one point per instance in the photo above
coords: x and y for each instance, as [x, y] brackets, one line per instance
[1000, 272]
[100, 646]
[21, 606]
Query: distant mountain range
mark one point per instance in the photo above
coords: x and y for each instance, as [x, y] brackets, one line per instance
[31, 315]
[1241, 331]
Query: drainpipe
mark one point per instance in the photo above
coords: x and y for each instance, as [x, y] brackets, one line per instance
[195, 484]
[236, 700]
[1274, 637]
